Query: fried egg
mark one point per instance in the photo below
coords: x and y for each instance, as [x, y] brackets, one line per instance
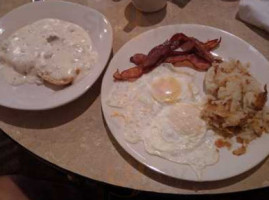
[178, 134]
[137, 102]
[162, 110]
[169, 86]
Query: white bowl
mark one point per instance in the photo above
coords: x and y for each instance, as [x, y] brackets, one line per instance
[34, 97]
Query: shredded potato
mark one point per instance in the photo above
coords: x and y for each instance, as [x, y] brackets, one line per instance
[236, 102]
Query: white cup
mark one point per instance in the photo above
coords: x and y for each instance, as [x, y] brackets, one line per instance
[149, 5]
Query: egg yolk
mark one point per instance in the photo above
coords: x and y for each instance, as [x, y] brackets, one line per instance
[166, 89]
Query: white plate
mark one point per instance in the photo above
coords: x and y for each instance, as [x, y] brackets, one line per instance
[33, 97]
[231, 47]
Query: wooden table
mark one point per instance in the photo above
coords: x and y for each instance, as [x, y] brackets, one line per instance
[75, 137]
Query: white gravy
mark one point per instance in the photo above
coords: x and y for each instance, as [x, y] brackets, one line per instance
[57, 48]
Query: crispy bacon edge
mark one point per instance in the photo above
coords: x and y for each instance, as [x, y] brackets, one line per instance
[194, 52]
[129, 74]
[197, 62]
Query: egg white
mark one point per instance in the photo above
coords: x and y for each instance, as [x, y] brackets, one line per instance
[144, 110]
[135, 104]
[135, 107]
[178, 134]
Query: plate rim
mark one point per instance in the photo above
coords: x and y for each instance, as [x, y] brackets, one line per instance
[126, 146]
[98, 72]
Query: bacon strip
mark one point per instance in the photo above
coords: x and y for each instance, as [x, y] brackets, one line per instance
[129, 74]
[188, 46]
[211, 44]
[194, 52]
[197, 62]
[138, 58]
[157, 54]
[177, 40]
[201, 51]
[179, 53]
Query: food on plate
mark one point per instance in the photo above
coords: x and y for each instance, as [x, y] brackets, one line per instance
[178, 134]
[222, 143]
[236, 103]
[195, 54]
[50, 50]
[189, 60]
[162, 109]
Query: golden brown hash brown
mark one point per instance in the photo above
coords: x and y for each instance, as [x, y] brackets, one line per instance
[236, 102]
